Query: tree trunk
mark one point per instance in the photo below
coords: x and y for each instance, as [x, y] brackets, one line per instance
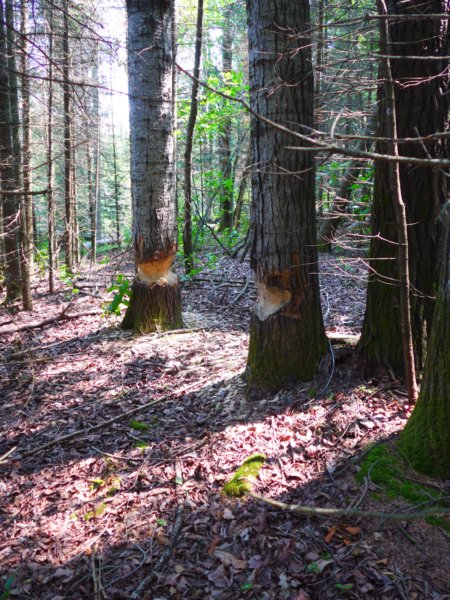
[425, 439]
[242, 187]
[69, 233]
[8, 181]
[287, 337]
[187, 224]
[116, 174]
[155, 303]
[226, 190]
[26, 220]
[52, 252]
[421, 95]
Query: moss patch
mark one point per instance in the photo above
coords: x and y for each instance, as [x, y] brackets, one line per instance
[388, 470]
[240, 484]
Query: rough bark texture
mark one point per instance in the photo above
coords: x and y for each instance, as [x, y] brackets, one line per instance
[150, 68]
[27, 241]
[8, 174]
[426, 437]
[421, 98]
[287, 337]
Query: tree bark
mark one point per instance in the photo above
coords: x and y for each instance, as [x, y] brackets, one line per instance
[287, 337]
[155, 303]
[10, 202]
[70, 227]
[226, 190]
[187, 224]
[26, 220]
[421, 93]
[399, 208]
[52, 252]
[425, 439]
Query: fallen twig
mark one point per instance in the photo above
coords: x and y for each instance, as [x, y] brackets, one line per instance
[317, 511]
[59, 317]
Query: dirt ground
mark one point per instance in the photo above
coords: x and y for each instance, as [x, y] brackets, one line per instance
[118, 448]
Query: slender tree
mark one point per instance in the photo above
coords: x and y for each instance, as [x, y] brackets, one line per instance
[155, 302]
[287, 337]
[421, 95]
[187, 224]
[27, 202]
[52, 253]
[226, 189]
[69, 183]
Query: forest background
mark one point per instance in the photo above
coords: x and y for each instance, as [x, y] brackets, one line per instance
[379, 129]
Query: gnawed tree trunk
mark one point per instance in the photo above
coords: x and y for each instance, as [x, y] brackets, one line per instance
[287, 337]
[421, 95]
[155, 303]
[187, 223]
[10, 202]
[425, 439]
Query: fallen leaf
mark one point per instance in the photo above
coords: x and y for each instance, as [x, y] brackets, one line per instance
[230, 559]
[228, 515]
[330, 535]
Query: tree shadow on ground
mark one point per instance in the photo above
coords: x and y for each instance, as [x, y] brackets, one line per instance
[93, 517]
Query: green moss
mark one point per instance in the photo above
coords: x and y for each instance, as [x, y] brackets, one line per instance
[388, 470]
[240, 484]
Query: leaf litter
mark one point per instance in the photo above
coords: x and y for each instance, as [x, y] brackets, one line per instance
[141, 500]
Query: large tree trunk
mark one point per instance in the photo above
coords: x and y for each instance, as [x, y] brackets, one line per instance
[426, 437]
[421, 98]
[10, 202]
[155, 304]
[287, 337]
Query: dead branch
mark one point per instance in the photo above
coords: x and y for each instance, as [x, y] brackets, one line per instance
[318, 511]
[63, 315]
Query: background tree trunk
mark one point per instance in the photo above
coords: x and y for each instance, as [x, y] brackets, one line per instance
[52, 252]
[155, 303]
[27, 202]
[421, 95]
[425, 439]
[187, 222]
[226, 190]
[287, 337]
[8, 173]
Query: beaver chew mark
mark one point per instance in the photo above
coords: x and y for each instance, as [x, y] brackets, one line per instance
[157, 271]
[270, 300]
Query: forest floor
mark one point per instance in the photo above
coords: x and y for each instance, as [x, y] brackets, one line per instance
[130, 503]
